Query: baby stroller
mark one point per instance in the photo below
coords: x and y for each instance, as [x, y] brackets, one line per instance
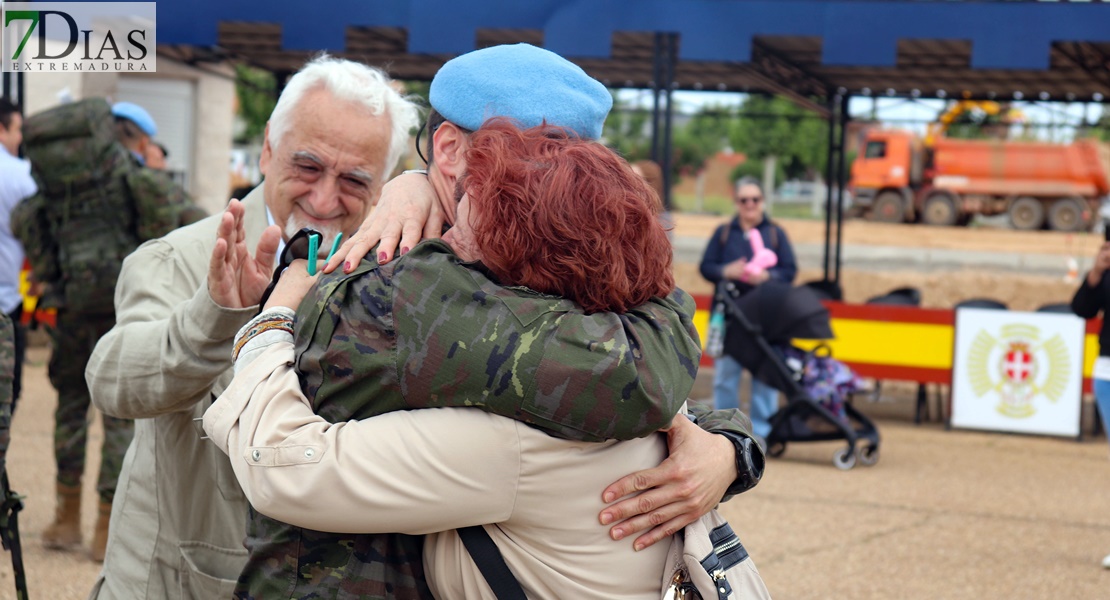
[761, 325]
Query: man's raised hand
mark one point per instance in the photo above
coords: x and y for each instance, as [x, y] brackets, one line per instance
[235, 278]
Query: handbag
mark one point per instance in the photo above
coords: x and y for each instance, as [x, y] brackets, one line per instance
[708, 561]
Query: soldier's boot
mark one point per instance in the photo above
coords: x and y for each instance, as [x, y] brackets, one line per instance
[65, 532]
[100, 535]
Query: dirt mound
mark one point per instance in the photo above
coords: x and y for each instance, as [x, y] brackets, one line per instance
[858, 232]
[939, 289]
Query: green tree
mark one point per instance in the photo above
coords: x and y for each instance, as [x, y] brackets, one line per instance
[419, 89]
[256, 90]
[628, 131]
[700, 139]
[1101, 128]
[769, 126]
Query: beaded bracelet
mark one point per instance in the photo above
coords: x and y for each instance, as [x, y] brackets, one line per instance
[275, 322]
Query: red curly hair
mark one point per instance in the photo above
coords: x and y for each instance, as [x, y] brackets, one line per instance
[565, 216]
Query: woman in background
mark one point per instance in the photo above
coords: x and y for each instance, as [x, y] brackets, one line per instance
[1093, 297]
[727, 258]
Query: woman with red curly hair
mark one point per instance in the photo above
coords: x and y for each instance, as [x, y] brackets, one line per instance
[550, 307]
[562, 216]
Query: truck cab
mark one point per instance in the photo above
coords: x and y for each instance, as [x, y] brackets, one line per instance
[883, 173]
[883, 164]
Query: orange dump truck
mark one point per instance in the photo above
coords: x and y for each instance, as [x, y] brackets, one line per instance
[1035, 183]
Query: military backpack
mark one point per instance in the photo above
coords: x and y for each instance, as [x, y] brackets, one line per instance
[94, 206]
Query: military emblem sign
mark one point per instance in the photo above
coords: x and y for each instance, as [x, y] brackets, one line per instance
[1017, 372]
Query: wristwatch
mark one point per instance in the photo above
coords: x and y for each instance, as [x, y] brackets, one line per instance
[749, 463]
[749, 460]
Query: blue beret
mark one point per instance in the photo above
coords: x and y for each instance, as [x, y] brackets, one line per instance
[136, 114]
[528, 84]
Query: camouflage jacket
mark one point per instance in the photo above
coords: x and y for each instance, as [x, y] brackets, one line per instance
[428, 331]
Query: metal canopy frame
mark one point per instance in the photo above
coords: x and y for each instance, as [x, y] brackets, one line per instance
[818, 53]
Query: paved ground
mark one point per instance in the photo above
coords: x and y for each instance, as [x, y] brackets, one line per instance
[945, 514]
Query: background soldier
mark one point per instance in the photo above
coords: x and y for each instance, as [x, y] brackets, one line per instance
[95, 205]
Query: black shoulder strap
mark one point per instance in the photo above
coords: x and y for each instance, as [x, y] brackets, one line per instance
[490, 562]
[723, 232]
[774, 237]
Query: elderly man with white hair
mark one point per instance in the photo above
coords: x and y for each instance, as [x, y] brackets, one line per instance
[178, 518]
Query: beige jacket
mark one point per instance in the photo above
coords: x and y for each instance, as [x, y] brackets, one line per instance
[179, 517]
[432, 470]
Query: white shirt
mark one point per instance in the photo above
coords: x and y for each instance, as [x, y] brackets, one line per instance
[281, 238]
[16, 184]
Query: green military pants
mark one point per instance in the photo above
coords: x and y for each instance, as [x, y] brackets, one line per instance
[73, 341]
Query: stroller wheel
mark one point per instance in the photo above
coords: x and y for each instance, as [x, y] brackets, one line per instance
[776, 449]
[844, 459]
[868, 455]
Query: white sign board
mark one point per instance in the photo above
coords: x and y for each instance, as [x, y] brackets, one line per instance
[1017, 371]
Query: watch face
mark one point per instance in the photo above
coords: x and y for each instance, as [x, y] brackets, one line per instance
[749, 466]
[756, 460]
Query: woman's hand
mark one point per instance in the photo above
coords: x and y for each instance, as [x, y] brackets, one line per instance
[406, 212]
[735, 269]
[688, 484]
[292, 286]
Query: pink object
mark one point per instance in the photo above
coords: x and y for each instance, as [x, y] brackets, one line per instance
[762, 257]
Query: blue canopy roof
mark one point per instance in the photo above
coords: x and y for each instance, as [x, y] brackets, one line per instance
[1061, 49]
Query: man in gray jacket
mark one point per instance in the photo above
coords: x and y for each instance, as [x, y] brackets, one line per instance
[178, 517]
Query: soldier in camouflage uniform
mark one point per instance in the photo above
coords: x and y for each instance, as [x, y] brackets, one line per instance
[96, 204]
[358, 358]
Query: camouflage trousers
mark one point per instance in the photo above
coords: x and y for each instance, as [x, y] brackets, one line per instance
[73, 341]
[7, 364]
[19, 335]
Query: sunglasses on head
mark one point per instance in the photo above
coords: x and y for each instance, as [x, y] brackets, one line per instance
[304, 244]
[749, 199]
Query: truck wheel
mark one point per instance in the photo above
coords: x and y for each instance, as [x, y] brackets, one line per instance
[940, 210]
[1026, 214]
[1066, 214]
[888, 208]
